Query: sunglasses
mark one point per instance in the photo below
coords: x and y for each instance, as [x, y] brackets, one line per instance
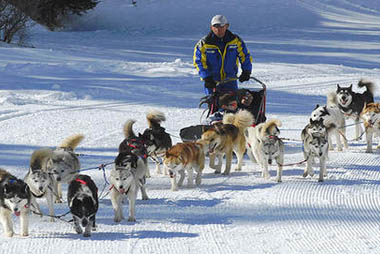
[218, 25]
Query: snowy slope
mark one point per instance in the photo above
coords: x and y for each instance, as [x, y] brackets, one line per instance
[120, 61]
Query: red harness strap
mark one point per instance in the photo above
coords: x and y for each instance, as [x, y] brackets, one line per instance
[80, 181]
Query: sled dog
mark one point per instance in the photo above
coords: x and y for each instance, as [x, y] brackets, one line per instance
[227, 138]
[351, 103]
[41, 185]
[316, 128]
[371, 117]
[62, 163]
[157, 140]
[82, 197]
[14, 198]
[139, 146]
[315, 147]
[190, 157]
[266, 146]
[125, 182]
[334, 122]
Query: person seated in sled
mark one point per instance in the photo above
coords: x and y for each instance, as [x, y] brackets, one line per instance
[217, 55]
[227, 104]
[253, 102]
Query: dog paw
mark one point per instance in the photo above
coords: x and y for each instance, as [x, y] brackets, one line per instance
[51, 219]
[340, 149]
[320, 180]
[237, 169]
[58, 201]
[369, 151]
[305, 174]
[9, 234]
[117, 219]
[87, 234]
[145, 198]
[279, 180]
[225, 173]
[78, 230]
[25, 234]
[131, 219]
[217, 172]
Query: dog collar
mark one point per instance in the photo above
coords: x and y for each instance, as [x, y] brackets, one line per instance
[38, 196]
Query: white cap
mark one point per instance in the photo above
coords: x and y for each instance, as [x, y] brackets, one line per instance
[219, 20]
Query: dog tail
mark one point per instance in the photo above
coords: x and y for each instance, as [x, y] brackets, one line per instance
[242, 119]
[38, 157]
[128, 130]
[155, 118]
[271, 128]
[331, 99]
[368, 84]
[72, 142]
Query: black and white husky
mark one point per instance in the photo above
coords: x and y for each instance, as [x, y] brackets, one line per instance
[315, 146]
[139, 146]
[82, 197]
[61, 163]
[351, 103]
[125, 183]
[157, 140]
[334, 122]
[14, 198]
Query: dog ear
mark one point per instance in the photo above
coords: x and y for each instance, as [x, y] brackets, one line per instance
[338, 87]
[365, 106]
[316, 106]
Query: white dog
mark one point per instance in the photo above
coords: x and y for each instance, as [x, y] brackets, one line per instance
[266, 146]
[125, 183]
[333, 120]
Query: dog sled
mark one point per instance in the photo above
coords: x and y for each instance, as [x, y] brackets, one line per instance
[257, 108]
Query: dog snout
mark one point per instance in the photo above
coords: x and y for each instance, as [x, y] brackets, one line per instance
[15, 209]
[84, 222]
[320, 154]
[171, 174]
[41, 188]
[59, 179]
[270, 161]
[120, 187]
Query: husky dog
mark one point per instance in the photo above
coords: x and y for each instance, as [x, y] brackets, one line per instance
[351, 104]
[266, 146]
[41, 184]
[62, 163]
[137, 146]
[371, 117]
[227, 138]
[334, 122]
[315, 147]
[125, 182]
[14, 198]
[185, 157]
[157, 140]
[82, 197]
[316, 128]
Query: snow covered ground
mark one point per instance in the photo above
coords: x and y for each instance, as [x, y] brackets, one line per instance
[120, 61]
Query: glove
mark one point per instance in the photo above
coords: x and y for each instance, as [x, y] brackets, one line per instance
[245, 75]
[210, 83]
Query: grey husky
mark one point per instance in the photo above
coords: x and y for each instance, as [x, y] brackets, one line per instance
[41, 185]
[315, 146]
[61, 163]
[125, 183]
[14, 198]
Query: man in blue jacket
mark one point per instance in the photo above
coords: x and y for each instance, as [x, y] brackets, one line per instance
[216, 58]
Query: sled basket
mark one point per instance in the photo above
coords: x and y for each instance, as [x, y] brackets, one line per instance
[257, 108]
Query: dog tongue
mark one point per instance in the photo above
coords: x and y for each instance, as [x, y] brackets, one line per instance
[17, 213]
[122, 191]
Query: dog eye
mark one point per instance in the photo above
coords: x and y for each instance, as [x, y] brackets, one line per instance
[62, 170]
[117, 179]
[124, 179]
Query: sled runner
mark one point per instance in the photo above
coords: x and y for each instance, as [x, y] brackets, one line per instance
[257, 108]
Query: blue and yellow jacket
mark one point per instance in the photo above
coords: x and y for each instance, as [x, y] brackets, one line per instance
[220, 58]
